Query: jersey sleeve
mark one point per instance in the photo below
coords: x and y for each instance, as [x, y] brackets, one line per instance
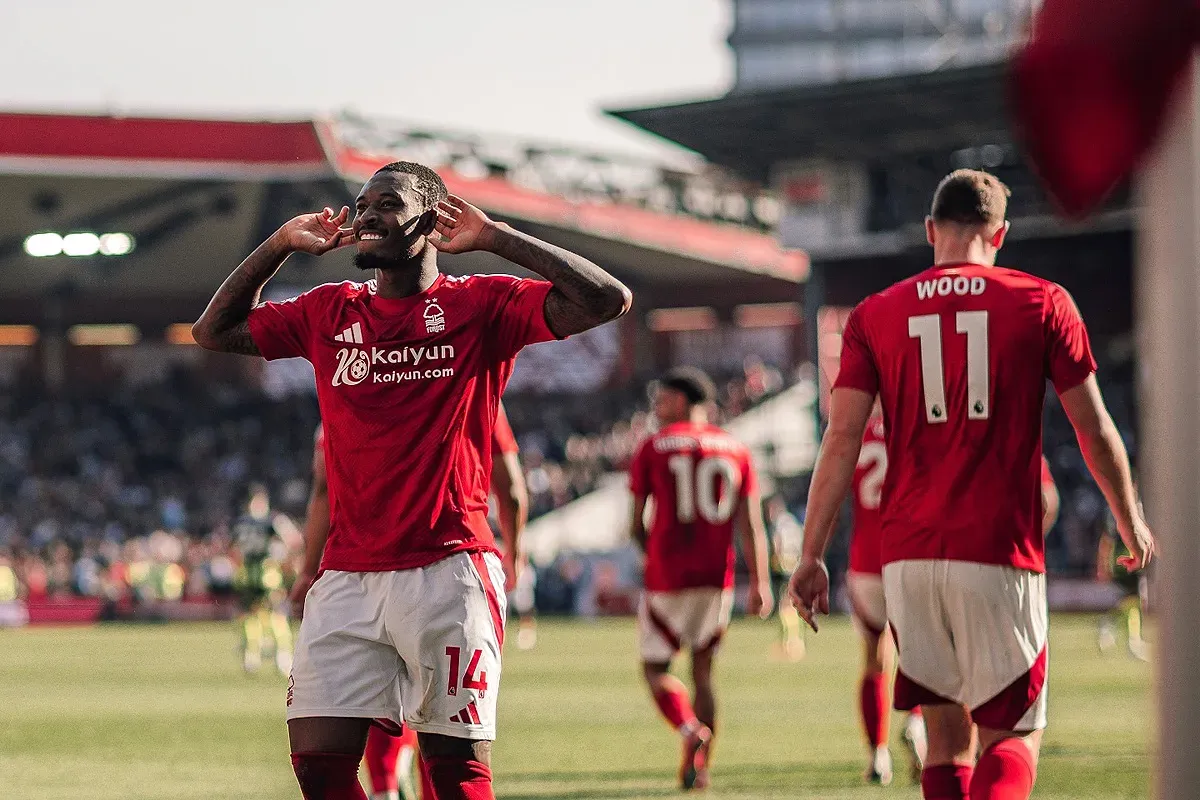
[1069, 359]
[284, 329]
[503, 439]
[520, 313]
[639, 470]
[857, 369]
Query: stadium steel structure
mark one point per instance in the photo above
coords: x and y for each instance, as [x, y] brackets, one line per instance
[197, 195]
[856, 162]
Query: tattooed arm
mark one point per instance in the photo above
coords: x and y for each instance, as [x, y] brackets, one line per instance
[225, 324]
[584, 295]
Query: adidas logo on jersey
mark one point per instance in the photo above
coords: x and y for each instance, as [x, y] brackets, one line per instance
[468, 716]
[352, 335]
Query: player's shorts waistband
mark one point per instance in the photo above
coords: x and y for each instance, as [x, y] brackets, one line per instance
[414, 561]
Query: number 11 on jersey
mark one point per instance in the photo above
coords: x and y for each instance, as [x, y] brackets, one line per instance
[928, 329]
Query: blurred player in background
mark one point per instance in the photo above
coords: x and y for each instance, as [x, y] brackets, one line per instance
[405, 622]
[703, 486]
[787, 541]
[1050, 499]
[512, 512]
[1110, 566]
[390, 758]
[869, 608]
[260, 585]
[959, 356]
[864, 586]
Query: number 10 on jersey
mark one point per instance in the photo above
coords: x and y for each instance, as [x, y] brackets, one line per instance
[707, 488]
[928, 329]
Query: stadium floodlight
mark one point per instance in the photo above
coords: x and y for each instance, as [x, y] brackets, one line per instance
[695, 318]
[767, 315]
[116, 244]
[41, 245]
[103, 335]
[81, 244]
[179, 333]
[18, 335]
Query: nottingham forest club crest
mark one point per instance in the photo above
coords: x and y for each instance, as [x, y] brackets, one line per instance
[435, 318]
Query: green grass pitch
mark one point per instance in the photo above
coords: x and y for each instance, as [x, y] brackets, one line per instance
[165, 712]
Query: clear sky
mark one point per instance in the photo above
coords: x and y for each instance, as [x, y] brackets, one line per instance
[535, 68]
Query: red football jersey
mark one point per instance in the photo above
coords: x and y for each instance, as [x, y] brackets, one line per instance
[959, 356]
[865, 546]
[503, 439]
[698, 475]
[408, 390]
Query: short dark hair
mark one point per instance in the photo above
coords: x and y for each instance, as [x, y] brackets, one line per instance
[970, 197]
[692, 383]
[430, 185]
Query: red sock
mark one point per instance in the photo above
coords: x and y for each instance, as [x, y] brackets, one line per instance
[383, 751]
[946, 782]
[873, 704]
[328, 776]
[673, 701]
[1005, 771]
[456, 779]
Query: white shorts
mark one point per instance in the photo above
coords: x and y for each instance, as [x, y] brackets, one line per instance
[974, 634]
[689, 618]
[867, 604]
[418, 646]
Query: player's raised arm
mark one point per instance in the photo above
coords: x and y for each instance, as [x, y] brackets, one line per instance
[316, 530]
[224, 326]
[1105, 454]
[753, 533]
[584, 295]
[849, 411]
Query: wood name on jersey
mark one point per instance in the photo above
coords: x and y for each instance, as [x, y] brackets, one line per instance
[945, 285]
[673, 442]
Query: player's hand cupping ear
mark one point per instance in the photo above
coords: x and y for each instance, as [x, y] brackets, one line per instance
[462, 226]
[316, 234]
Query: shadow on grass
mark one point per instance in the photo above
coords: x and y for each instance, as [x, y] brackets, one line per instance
[615, 784]
[593, 794]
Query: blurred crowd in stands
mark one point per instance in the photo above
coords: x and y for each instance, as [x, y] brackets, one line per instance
[129, 494]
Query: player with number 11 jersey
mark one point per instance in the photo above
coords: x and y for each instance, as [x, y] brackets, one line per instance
[959, 357]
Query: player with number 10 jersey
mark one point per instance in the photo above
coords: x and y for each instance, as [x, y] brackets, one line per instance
[703, 488]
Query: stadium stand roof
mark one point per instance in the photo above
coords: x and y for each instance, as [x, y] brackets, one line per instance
[197, 194]
[850, 121]
[59, 144]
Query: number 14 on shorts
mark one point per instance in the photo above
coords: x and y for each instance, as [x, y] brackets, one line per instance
[469, 681]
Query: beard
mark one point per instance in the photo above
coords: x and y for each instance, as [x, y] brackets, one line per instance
[373, 261]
